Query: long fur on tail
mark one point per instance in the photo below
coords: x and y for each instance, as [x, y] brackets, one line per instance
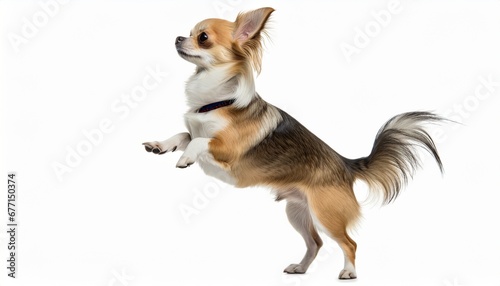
[394, 157]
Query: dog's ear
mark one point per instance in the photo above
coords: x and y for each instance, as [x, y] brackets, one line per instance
[247, 34]
[248, 25]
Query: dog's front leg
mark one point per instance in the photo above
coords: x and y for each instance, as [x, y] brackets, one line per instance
[176, 142]
[197, 146]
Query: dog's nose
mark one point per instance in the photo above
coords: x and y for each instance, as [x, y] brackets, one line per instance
[179, 39]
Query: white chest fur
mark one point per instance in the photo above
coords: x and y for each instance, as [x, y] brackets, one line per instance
[203, 88]
[206, 125]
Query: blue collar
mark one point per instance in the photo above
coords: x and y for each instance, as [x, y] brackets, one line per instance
[215, 105]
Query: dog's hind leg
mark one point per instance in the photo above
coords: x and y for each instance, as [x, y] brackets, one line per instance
[298, 214]
[333, 210]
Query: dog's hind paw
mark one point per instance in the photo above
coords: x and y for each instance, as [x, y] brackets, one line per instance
[347, 274]
[295, 269]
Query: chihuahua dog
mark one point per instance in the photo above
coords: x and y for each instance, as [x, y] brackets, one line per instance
[239, 138]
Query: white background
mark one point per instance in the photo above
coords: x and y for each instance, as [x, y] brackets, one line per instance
[115, 219]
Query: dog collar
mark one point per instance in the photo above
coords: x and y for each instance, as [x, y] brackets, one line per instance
[215, 105]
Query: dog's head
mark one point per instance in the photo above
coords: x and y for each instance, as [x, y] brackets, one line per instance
[213, 42]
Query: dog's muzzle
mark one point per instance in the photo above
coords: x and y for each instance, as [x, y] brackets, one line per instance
[178, 41]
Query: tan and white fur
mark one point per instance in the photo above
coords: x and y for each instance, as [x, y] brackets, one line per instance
[253, 143]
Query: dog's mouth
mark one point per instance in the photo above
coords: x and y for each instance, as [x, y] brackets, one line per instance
[186, 55]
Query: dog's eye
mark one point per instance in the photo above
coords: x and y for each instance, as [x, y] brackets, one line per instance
[202, 38]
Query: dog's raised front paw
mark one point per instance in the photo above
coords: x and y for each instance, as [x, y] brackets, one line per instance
[185, 162]
[158, 148]
[295, 269]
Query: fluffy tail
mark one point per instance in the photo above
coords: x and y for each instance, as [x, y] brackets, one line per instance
[394, 156]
